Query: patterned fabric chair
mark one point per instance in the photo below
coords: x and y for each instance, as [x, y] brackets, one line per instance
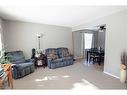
[20, 66]
[58, 57]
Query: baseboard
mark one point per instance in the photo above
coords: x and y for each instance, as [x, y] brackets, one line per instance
[111, 75]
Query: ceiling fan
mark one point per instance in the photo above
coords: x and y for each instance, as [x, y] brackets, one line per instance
[101, 28]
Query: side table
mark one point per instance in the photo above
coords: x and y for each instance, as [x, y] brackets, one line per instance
[41, 61]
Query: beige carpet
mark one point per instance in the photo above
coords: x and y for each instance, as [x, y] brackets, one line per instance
[73, 77]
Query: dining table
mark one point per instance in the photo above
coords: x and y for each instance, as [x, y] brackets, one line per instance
[99, 53]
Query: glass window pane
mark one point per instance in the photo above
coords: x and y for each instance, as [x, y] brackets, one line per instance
[88, 40]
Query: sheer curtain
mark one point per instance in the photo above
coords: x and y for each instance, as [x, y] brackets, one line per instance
[87, 42]
[82, 46]
[93, 39]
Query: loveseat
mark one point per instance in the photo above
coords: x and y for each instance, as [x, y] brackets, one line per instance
[58, 57]
[20, 66]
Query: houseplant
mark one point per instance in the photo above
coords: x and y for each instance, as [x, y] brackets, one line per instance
[3, 58]
[123, 67]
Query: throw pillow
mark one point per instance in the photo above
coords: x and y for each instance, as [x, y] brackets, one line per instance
[65, 53]
[52, 56]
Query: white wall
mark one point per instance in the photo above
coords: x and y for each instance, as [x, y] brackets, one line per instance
[22, 36]
[101, 39]
[116, 39]
[77, 37]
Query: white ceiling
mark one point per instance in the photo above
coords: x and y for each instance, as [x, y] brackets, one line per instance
[69, 16]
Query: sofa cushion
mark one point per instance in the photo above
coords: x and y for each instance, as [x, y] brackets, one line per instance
[24, 65]
[63, 52]
[51, 52]
[52, 56]
[57, 60]
[16, 57]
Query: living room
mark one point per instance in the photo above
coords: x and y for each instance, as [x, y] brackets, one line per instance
[24, 29]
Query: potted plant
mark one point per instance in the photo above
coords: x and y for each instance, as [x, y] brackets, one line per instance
[4, 59]
[123, 67]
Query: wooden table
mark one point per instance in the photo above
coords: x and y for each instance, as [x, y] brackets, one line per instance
[41, 61]
[8, 71]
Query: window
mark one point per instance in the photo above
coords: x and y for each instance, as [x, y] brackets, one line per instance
[88, 40]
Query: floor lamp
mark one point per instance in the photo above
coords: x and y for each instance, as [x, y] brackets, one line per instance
[39, 39]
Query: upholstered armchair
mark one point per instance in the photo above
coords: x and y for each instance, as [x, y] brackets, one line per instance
[20, 66]
[58, 57]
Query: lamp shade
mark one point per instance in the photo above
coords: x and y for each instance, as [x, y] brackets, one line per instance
[39, 34]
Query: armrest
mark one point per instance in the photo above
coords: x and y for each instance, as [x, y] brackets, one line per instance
[49, 61]
[71, 55]
[14, 66]
[14, 71]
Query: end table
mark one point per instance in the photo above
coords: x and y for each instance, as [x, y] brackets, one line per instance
[41, 61]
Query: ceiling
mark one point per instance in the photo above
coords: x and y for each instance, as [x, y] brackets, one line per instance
[68, 16]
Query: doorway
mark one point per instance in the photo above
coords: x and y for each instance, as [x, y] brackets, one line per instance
[87, 39]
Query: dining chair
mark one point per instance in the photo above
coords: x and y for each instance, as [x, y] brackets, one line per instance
[93, 57]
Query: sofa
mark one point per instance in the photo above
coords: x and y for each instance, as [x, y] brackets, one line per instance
[58, 57]
[20, 66]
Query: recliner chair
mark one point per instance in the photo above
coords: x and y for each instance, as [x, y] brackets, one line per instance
[20, 66]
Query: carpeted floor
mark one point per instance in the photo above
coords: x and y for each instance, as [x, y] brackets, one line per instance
[78, 76]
